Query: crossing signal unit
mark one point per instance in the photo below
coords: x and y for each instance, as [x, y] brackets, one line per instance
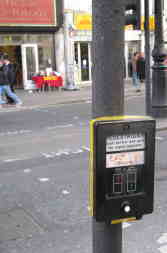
[133, 13]
[121, 168]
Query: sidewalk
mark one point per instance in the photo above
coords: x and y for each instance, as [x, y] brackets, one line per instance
[51, 98]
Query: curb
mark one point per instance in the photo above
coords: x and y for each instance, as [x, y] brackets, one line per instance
[81, 100]
[161, 129]
[27, 107]
[74, 101]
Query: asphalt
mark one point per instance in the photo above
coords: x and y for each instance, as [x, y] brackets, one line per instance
[38, 99]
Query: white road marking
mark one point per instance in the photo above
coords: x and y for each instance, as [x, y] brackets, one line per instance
[25, 131]
[65, 192]
[54, 154]
[41, 110]
[163, 249]
[12, 160]
[162, 239]
[76, 117]
[27, 170]
[15, 132]
[49, 155]
[62, 152]
[77, 151]
[66, 231]
[44, 179]
[60, 126]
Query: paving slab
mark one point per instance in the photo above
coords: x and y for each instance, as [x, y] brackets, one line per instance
[16, 224]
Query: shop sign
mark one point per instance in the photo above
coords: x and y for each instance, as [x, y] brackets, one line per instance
[31, 12]
[151, 23]
[129, 27]
[83, 21]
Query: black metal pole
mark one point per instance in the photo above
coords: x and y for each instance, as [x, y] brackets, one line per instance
[159, 80]
[147, 57]
[107, 93]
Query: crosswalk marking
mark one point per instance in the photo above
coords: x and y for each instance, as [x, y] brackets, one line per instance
[43, 180]
[50, 155]
[163, 249]
[163, 240]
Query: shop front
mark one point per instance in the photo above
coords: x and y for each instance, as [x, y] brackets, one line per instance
[83, 60]
[30, 53]
[132, 45]
[27, 34]
[82, 38]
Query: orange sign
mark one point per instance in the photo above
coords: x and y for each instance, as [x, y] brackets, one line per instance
[83, 21]
[50, 78]
[151, 25]
[27, 12]
[129, 27]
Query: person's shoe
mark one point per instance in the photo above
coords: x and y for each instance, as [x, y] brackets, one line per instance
[19, 104]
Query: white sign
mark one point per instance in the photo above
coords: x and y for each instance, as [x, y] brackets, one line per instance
[124, 159]
[125, 142]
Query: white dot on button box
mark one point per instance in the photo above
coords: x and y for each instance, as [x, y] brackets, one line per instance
[127, 209]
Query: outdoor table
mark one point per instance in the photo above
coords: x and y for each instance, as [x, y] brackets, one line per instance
[47, 81]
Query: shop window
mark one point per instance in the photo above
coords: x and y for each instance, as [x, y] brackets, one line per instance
[76, 52]
[84, 61]
[30, 62]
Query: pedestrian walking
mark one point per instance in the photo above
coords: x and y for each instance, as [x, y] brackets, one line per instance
[141, 67]
[135, 79]
[13, 77]
[7, 77]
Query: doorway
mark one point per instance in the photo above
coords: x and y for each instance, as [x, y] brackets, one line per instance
[25, 60]
[30, 64]
[14, 53]
[83, 60]
[130, 48]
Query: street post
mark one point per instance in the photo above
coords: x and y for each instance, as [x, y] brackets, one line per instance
[69, 52]
[159, 78]
[107, 93]
[147, 57]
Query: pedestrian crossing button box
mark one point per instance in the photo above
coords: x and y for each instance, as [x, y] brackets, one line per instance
[122, 168]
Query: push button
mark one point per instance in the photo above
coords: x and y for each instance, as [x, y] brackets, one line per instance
[127, 208]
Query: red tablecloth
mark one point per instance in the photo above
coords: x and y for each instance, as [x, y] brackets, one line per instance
[38, 80]
[51, 81]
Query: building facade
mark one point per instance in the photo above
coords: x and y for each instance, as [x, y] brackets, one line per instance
[28, 32]
[80, 30]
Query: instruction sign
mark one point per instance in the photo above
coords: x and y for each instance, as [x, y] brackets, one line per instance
[118, 143]
[124, 159]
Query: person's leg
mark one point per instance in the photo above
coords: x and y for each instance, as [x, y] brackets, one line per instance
[1, 92]
[9, 99]
[136, 82]
[11, 94]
